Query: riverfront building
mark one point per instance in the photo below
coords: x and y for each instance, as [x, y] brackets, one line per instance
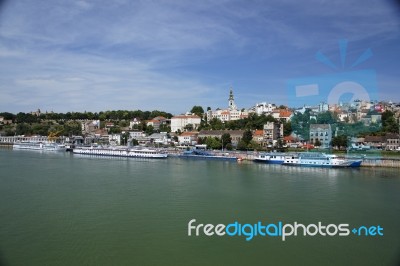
[321, 132]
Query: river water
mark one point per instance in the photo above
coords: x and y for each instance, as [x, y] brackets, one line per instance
[64, 209]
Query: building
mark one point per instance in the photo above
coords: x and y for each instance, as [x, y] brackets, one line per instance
[392, 141]
[236, 135]
[134, 123]
[229, 114]
[179, 122]
[159, 138]
[114, 139]
[258, 137]
[283, 115]
[89, 127]
[321, 132]
[272, 132]
[136, 134]
[375, 142]
[156, 122]
[188, 138]
[264, 108]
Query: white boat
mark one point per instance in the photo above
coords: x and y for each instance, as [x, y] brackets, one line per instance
[40, 146]
[118, 151]
[318, 159]
[270, 158]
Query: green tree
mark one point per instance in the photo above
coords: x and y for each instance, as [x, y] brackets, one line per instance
[325, 118]
[197, 110]
[149, 130]
[287, 128]
[23, 129]
[242, 145]
[226, 139]
[189, 127]
[247, 137]
[213, 143]
[340, 142]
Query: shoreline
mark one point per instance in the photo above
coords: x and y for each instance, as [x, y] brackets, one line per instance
[248, 156]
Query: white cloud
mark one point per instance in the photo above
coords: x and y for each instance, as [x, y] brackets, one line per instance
[147, 54]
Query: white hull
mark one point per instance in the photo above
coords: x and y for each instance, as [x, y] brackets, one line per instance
[38, 146]
[319, 160]
[121, 152]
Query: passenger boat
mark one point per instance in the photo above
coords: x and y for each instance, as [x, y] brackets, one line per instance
[318, 159]
[202, 154]
[270, 158]
[121, 151]
[41, 146]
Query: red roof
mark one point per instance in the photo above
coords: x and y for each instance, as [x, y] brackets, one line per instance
[285, 113]
[258, 133]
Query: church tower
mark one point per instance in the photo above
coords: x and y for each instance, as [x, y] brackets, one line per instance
[231, 101]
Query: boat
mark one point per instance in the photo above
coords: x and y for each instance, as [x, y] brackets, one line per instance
[270, 158]
[121, 151]
[319, 159]
[202, 154]
[40, 146]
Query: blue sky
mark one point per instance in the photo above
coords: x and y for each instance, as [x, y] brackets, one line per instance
[170, 55]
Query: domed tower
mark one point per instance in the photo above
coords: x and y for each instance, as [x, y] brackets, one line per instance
[231, 101]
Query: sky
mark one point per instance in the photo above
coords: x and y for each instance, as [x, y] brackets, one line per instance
[66, 56]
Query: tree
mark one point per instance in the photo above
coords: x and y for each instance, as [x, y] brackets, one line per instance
[287, 128]
[226, 139]
[339, 141]
[188, 127]
[149, 130]
[242, 145]
[216, 124]
[135, 142]
[325, 118]
[247, 137]
[197, 110]
[213, 143]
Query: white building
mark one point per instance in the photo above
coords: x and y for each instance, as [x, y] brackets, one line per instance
[136, 134]
[231, 113]
[133, 122]
[179, 122]
[188, 138]
[264, 108]
[114, 139]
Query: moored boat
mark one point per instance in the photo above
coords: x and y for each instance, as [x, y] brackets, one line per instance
[318, 159]
[202, 154]
[40, 146]
[118, 151]
[270, 158]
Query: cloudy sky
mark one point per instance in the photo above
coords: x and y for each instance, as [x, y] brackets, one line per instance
[170, 55]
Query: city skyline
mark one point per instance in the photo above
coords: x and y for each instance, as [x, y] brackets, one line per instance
[171, 55]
